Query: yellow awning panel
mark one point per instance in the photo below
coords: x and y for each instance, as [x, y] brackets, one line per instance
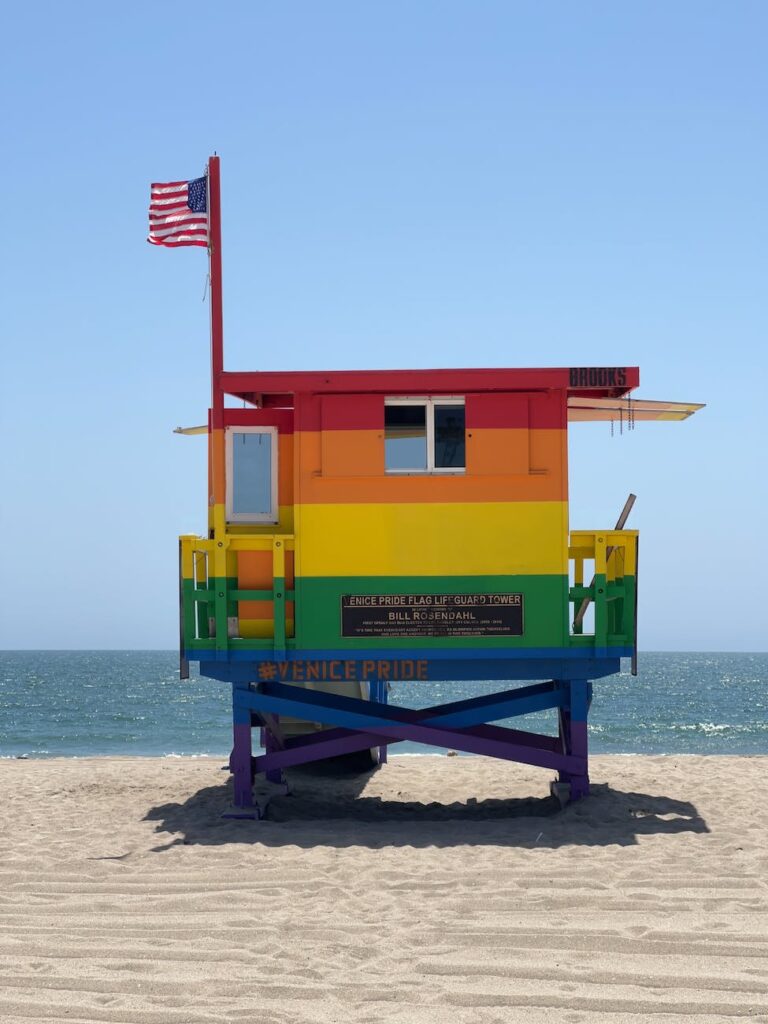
[627, 410]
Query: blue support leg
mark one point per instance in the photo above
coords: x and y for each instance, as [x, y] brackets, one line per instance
[572, 719]
[379, 693]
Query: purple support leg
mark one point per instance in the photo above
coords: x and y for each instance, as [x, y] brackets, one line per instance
[240, 764]
[564, 731]
[579, 783]
[271, 744]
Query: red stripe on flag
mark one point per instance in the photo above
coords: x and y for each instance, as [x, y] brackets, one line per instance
[193, 228]
[174, 211]
[177, 226]
[169, 211]
[176, 197]
[175, 245]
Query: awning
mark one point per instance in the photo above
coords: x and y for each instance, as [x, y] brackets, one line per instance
[627, 410]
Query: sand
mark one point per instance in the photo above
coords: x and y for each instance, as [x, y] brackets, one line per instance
[436, 889]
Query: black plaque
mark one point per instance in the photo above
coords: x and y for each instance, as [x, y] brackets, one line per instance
[365, 615]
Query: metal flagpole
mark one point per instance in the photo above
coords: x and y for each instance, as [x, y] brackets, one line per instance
[217, 315]
[217, 455]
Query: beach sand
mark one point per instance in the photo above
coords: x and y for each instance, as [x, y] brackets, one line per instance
[438, 889]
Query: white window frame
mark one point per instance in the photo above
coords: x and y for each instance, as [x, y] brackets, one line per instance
[429, 402]
[251, 517]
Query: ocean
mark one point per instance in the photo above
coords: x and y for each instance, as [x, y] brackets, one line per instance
[87, 703]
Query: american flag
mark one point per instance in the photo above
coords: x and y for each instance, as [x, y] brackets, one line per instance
[178, 213]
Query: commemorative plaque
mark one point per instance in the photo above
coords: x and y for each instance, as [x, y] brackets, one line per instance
[364, 615]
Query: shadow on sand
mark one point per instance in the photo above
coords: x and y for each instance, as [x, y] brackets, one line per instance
[325, 808]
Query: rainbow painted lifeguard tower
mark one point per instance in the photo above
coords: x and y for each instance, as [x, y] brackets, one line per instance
[372, 526]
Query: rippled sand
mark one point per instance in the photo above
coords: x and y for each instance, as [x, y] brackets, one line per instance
[438, 889]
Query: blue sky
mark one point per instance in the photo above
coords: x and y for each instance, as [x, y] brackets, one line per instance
[404, 184]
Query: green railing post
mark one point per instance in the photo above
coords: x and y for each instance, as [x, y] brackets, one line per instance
[278, 596]
[201, 608]
[600, 586]
[220, 600]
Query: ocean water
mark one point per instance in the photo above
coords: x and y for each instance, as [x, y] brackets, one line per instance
[86, 703]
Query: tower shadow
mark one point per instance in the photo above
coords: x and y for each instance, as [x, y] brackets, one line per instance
[327, 807]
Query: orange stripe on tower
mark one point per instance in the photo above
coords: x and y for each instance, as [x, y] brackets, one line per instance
[347, 467]
[254, 572]
[216, 463]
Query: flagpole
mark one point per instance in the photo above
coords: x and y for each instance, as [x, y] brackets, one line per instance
[217, 314]
[218, 470]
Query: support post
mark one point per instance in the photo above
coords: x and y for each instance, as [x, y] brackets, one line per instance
[378, 693]
[272, 743]
[240, 762]
[572, 721]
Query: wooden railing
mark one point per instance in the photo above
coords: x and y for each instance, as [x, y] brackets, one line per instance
[210, 601]
[612, 590]
[210, 595]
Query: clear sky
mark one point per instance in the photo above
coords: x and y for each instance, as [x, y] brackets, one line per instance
[405, 184]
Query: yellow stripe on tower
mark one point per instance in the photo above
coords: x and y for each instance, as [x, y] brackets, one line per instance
[263, 628]
[457, 539]
[284, 524]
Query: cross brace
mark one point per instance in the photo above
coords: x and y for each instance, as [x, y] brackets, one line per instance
[460, 725]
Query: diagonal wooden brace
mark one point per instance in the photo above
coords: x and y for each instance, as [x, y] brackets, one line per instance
[352, 712]
[365, 724]
[335, 742]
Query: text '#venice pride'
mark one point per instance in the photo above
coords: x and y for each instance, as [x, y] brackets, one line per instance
[178, 213]
[342, 670]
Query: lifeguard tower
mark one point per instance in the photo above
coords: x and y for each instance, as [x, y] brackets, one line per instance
[366, 527]
[407, 525]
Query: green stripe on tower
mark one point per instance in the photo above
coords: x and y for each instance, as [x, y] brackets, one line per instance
[546, 611]
[318, 609]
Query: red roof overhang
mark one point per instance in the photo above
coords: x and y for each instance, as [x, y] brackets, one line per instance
[270, 387]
